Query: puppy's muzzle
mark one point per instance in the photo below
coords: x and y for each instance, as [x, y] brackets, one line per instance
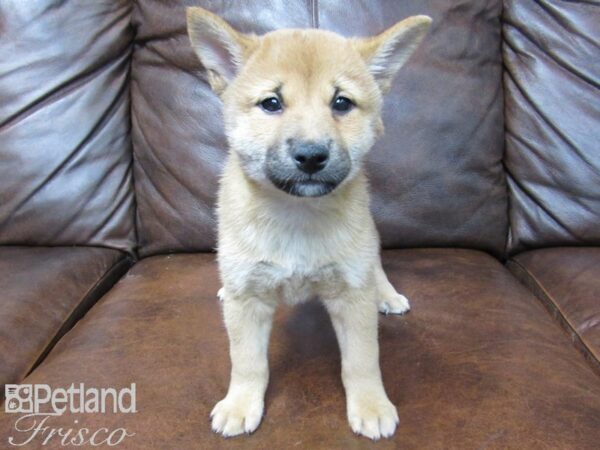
[307, 168]
[310, 157]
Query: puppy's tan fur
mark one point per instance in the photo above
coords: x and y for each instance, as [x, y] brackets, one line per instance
[274, 246]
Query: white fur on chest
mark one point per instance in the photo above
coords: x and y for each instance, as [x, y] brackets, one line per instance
[294, 249]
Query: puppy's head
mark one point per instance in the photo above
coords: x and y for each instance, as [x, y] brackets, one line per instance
[301, 107]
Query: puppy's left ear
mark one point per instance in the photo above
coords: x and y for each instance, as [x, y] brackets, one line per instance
[221, 49]
[388, 51]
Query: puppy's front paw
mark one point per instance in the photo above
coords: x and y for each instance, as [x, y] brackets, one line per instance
[394, 304]
[221, 294]
[237, 413]
[373, 416]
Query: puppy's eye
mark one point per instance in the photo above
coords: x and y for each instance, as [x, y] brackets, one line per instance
[342, 104]
[271, 104]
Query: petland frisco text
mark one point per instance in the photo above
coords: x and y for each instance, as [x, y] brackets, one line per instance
[40, 404]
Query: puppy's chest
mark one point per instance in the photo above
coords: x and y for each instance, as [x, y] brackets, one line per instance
[293, 256]
[294, 268]
[292, 285]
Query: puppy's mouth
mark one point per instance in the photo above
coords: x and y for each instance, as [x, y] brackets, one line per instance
[290, 174]
[309, 187]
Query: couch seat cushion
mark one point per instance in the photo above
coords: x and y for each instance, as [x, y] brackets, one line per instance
[478, 362]
[567, 280]
[43, 291]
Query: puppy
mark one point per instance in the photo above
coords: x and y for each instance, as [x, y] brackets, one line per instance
[302, 108]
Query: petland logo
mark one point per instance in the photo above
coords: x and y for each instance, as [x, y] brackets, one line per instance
[38, 404]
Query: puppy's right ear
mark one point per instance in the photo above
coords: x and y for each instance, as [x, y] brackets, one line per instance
[388, 51]
[221, 49]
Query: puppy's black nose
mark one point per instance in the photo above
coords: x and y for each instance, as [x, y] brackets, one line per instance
[310, 157]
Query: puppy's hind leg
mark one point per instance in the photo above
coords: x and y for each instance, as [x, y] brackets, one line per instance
[388, 300]
[248, 322]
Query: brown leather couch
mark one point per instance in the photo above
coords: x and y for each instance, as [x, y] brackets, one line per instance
[486, 191]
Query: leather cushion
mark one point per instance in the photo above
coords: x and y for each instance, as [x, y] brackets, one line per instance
[65, 176]
[552, 115]
[477, 363]
[567, 280]
[436, 176]
[43, 291]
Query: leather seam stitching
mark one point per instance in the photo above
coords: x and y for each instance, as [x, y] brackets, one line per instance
[315, 13]
[89, 294]
[546, 298]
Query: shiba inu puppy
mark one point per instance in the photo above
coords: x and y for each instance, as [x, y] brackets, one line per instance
[302, 108]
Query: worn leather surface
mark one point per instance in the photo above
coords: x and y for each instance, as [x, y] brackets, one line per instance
[43, 291]
[65, 151]
[477, 363]
[552, 80]
[567, 280]
[437, 176]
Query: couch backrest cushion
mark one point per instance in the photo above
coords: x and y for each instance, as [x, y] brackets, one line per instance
[65, 152]
[552, 83]
[437, 177]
